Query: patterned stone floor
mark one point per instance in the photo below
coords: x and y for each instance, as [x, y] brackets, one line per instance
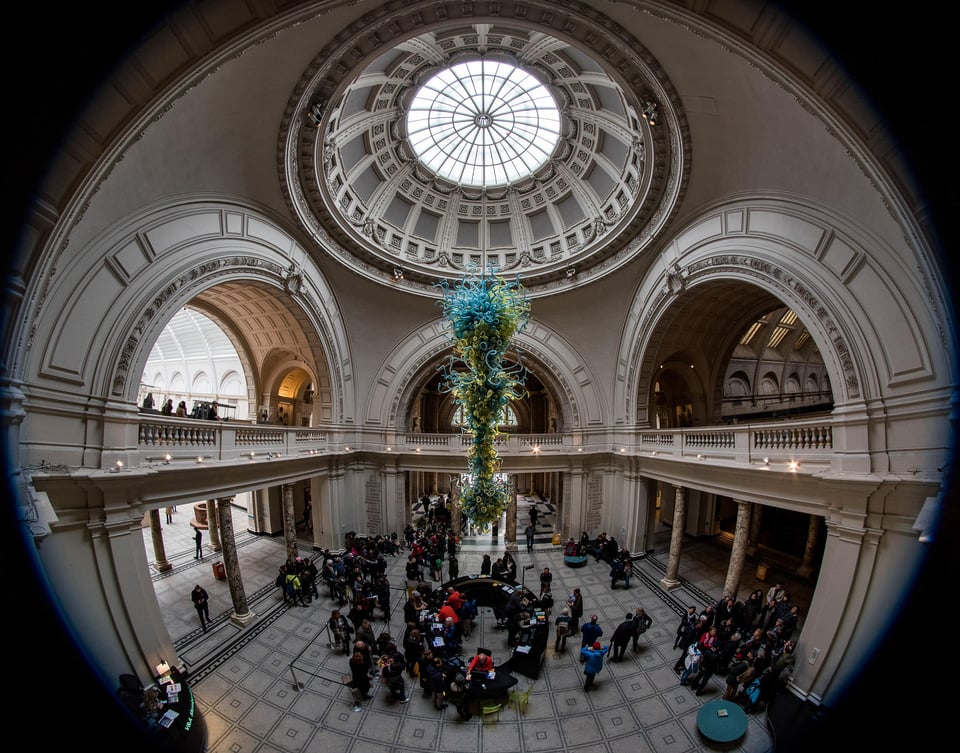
[274, 684]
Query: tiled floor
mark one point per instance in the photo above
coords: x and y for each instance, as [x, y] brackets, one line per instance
[274, 685]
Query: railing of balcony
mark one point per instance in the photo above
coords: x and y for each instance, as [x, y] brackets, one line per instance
[807, 440]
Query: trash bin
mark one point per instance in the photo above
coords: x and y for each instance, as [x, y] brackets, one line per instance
[218, 571]
[761, 572]
[556, 538]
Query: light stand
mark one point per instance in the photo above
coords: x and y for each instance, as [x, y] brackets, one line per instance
[523, 577]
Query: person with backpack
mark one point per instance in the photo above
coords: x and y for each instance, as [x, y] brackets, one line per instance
[691, 665]
[392, 665]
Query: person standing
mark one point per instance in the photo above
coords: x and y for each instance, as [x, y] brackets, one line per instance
[528, 532]
[437, 678]
[641, 623]
[621, 638]
[576, 610]
[169, 512]
[359, 678]
[201, 600]
[485, 565]
[709, 664]
[391, 672]
[589, 633]
[198, 538]
[563, 629]
[592, 658]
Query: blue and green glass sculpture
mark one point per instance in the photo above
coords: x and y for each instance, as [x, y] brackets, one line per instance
[485, 312]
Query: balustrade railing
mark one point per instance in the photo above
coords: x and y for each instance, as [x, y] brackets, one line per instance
[810, 440]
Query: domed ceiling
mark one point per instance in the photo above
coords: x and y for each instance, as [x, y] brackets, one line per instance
[484, 143]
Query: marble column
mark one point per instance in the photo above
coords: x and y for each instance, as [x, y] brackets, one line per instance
[510, 538]
[456, 514]
[738, 553]
[289, 523]
[159, 553]
[670, 579]
[757, 514]
[213, 526]
[806, 567]
[241, 610]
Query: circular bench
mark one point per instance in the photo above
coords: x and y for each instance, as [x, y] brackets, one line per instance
[722, 721]
[575, 560]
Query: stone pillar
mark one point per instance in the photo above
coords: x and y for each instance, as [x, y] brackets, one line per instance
[738, 553]
[213, 525]
[159, 553]
[289, 523]
[456, 514]
[670, 579]
[510, 537]
[806, 567]
[757, 511]
[231, 564]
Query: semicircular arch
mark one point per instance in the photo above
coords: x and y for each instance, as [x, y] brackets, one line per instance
[163, 259]
[577, 394]
[868, 314]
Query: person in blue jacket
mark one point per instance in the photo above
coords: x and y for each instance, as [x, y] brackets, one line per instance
[594, 662]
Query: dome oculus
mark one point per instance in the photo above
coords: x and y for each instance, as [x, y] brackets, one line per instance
[483, 123]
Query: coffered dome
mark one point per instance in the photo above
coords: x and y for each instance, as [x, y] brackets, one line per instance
[484, 143]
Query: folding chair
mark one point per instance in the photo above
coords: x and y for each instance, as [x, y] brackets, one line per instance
[488, 710]
[521, 698]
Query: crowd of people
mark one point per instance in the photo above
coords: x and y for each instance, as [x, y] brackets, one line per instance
[749, 642]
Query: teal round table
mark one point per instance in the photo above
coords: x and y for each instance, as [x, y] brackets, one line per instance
[722, 721]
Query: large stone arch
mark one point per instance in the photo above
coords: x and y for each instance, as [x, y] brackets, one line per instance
[577, 392]
[132, 279]
[873, 318]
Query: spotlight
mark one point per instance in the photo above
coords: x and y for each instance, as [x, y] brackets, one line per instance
[118, 467]
[315, 115]
[766, 461]
[650, 112]
[167, 459]
[571, 271]
[397, 273]
[793, 465]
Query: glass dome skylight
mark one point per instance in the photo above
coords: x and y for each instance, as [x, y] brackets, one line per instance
[483, 123]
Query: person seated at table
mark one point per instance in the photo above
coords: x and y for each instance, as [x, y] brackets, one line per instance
[482, 663]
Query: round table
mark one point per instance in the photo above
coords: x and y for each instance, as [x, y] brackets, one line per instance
[722, 721]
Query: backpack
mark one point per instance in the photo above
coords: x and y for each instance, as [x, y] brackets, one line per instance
[563, 628]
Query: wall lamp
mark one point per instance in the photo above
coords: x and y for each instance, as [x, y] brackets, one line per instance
[649, 112]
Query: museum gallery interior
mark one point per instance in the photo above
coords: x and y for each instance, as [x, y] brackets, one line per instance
[724, 218]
